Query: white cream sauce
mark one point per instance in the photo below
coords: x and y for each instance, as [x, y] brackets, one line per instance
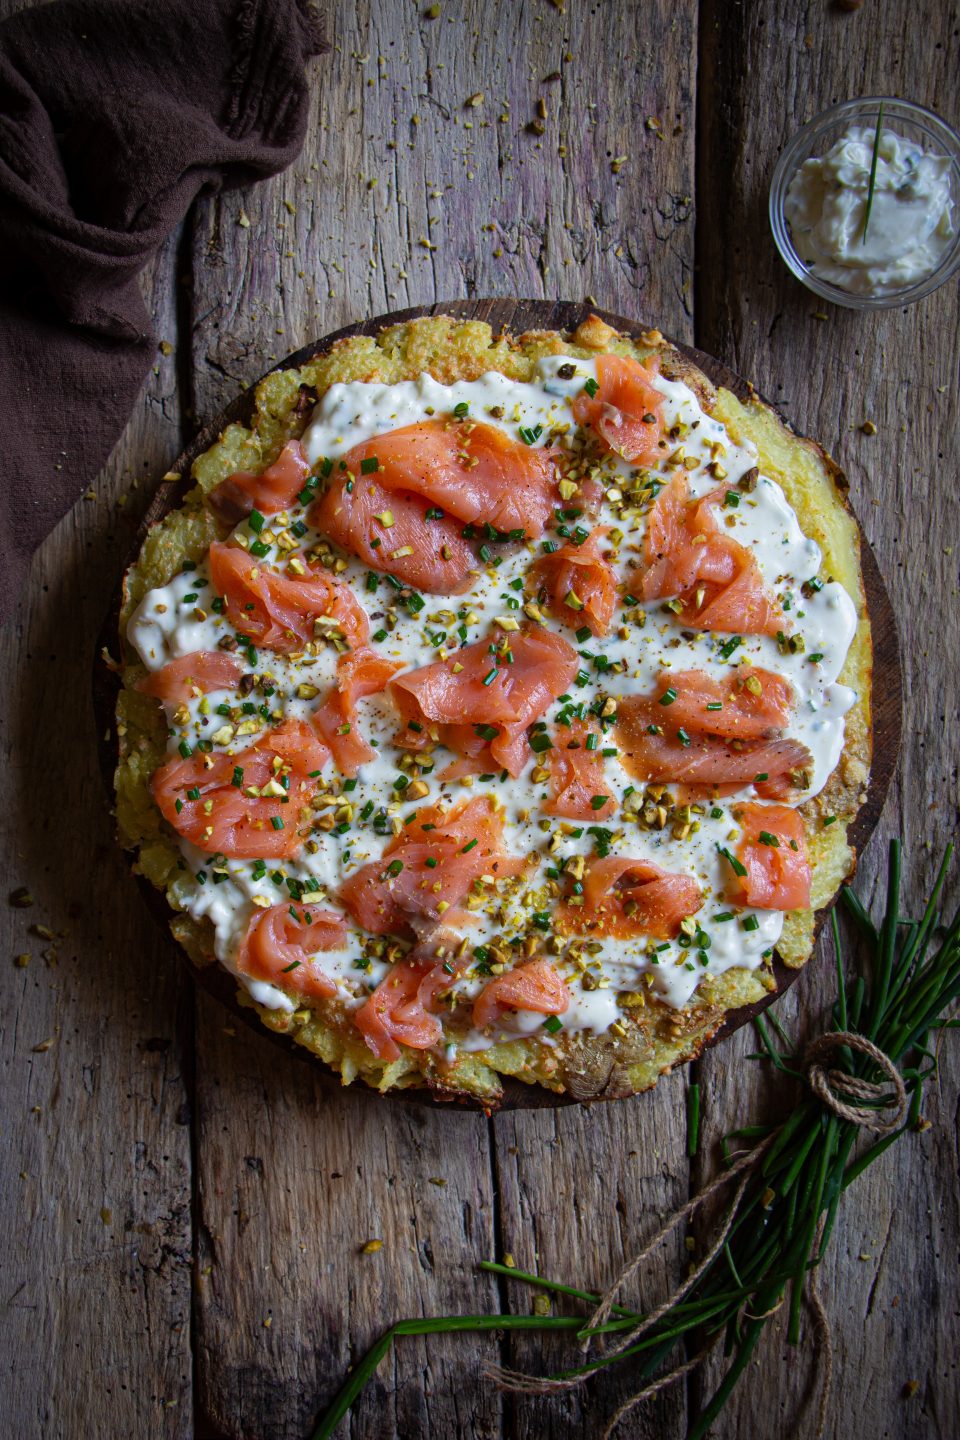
[911, 221]
[178, 619]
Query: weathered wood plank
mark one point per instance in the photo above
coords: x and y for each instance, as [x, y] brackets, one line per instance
[95, 1229]
[249, 285]
[891, 1283]
[294, 1179]
[579, 1190]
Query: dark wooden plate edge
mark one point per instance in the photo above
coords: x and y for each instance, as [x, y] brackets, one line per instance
[515, 316]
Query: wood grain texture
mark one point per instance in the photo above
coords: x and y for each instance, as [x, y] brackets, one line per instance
[95, 1227]
[890, 1281]
[282, 1186]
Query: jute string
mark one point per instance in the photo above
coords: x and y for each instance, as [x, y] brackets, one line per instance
[860, 1102]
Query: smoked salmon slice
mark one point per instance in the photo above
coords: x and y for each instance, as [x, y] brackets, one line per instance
[576, 774]
[578, 584]
[247, 804]
[713, 736]
[472, 471]
[773, 854]
[402, 501]
[479, 703]
[626, 898]
[625, 411]
[749, 703]
[283, 612]
[273, 490]
[396, 532]
[359, 673]
[428, 869]
[194, 674]
[535, 986]
[280, 944]
[715, 579]
[401, 1009]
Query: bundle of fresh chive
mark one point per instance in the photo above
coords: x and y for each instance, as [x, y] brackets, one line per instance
[908, 973]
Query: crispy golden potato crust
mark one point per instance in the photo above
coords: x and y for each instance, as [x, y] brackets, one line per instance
[656, 1037]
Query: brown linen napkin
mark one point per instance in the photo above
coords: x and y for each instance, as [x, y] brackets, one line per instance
[114, 116]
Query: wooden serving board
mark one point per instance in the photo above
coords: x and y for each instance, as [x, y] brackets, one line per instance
[515, 316]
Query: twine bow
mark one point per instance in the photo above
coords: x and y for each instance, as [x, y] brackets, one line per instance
[857, 1101]
[836, 1088]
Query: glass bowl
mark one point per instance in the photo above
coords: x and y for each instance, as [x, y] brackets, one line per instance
[913, 122]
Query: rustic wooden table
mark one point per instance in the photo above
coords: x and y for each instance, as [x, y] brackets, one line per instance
[183, 1205]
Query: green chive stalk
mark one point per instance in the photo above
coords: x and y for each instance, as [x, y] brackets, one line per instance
[904, 977]
[872, 182]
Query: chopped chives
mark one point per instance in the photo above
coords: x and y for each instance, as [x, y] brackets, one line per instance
[256, 521]
[738, 868]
